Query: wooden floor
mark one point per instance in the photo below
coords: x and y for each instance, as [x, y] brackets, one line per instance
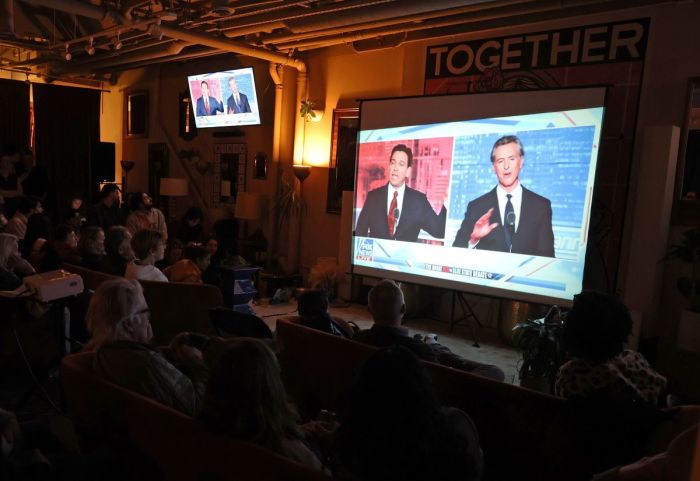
[491, 350]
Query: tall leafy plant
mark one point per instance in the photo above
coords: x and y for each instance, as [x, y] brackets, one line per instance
[539, 341]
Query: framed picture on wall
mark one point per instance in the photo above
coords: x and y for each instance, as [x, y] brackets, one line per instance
[341, 169]
[136, 114]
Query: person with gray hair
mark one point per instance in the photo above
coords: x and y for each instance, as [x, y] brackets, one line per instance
[12, 266]
[387, 306]
[118, 319]
[508, 218]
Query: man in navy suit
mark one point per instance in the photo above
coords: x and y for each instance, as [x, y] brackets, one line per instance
[207, 105]
[509, 218]
[237, 103]
[395, 211]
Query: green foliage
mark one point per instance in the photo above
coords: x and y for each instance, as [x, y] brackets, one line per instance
[688, 252]
[306, 111]
[288, 204]
[539, 341]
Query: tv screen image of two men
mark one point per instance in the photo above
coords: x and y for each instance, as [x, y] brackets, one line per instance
[236, 103]
[507, 218]
[223, 99]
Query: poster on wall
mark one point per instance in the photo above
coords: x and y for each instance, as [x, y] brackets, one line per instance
[610, 55]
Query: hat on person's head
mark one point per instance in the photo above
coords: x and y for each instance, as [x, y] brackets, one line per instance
[108, 189]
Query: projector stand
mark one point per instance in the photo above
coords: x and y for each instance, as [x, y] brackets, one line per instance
[468, 313]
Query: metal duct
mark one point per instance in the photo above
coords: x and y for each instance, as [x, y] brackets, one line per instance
[80, 8]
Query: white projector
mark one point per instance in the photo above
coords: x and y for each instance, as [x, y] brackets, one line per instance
[53, 285]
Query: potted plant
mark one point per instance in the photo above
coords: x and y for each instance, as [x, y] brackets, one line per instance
[539, 341]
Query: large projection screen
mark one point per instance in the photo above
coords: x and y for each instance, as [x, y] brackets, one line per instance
[496, 199]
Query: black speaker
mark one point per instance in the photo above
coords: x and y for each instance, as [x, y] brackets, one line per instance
[102, 162]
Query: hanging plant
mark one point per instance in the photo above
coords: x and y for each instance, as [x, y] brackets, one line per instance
[306, 111]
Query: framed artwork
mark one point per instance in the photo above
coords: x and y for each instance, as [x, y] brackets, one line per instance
[341, 169]
[136, 114]
[229, 172]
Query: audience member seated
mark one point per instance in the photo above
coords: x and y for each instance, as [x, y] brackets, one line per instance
[10, 186]
[27, 207]
[118, 320]
[245, 399]
[92, 247]
[190, 228]
[63, 249]
[12, 267]
[212, 274]
[144, 216]
[673, 464]
[386, 304]
[3, 217]
[190, 268]
[149, 248]
[34, 179]
[107, 211]
[313, 312]
[173, 253]
[594, 333]
[74, 214]
[118, 251]
[395, 429]
[613, 393]
[36, 240]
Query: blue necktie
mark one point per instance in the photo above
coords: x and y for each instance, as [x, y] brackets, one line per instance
[508, 224]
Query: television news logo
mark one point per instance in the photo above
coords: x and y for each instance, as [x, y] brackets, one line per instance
[365, 250]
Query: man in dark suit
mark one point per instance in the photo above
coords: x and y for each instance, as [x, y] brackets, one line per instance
[509, 218]
[207, 105]
[237, 103]
[395, 211]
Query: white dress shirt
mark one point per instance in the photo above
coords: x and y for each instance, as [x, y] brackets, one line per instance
[516, 199]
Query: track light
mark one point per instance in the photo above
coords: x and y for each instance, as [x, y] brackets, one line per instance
[68, 55]
[155, 31]
[116, 43]
[90, 48]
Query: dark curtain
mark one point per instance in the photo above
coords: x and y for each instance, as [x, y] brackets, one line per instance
[66, 124]
[14, 113]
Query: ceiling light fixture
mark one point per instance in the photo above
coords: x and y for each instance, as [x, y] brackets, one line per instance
[155, 31]
[90, 48]
[67, 55]
[116, 42]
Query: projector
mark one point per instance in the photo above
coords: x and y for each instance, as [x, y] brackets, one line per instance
[53, 285]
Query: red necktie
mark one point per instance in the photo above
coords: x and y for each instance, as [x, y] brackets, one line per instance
[392, 217]
[206, 105]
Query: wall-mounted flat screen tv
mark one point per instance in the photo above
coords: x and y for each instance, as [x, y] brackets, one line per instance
[224, 99]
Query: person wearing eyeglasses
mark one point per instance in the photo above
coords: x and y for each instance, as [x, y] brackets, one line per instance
[508, 218]
[118, 319]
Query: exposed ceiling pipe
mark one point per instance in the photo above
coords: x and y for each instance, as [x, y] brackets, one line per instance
[395, 19]
[239, 14]
[267, 20]
[440, 29]
[81, 8]
[232, 46]
[174, 48]
[199, 53]
[380, 12]
[92, 11]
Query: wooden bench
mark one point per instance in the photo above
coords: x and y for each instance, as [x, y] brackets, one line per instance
[522, 432]
[179, 447]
